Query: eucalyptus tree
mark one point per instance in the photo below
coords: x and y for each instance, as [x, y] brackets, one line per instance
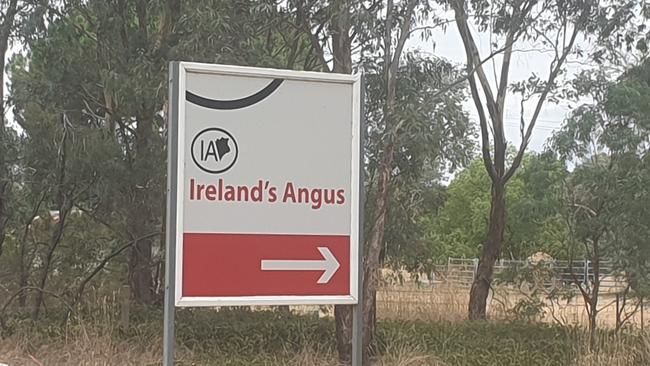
[15, 16]
[64, 150]
[133, 43]
[607, 138]
[458, 228]
[515, 25]
[9, 11]
[335, 29]
[375, 33]
[100, 69]
[436, 138]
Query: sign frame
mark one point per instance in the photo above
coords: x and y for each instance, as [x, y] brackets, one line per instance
[176, 155]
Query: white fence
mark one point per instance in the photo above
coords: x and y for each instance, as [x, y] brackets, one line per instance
[462, 271]
[444, 293]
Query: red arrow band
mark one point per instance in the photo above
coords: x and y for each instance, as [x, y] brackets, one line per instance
[222, 265]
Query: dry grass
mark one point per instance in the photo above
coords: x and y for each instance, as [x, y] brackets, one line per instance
[410, 302]
[97, 350]
[81, 348]
[406, 354]
[617, 351]
[84, 347]
[99, 341]
[448, 302]
[87, 349]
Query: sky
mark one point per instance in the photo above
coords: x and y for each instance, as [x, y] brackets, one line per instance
[525, 61]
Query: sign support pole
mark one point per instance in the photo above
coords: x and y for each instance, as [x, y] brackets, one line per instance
[169, 336]
[357, 311]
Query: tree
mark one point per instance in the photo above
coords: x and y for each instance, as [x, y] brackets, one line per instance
[339, 25]
[91, 86]
[436, 138]
[554, 25]
[377, 31]
[8, 19]
[459, 227]
[131, 44]
[629, 100]
[608, 139]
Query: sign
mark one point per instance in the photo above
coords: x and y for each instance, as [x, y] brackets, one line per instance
[266, 188]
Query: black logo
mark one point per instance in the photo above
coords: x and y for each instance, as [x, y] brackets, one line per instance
[214, 150]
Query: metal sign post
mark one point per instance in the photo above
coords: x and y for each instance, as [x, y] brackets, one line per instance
[357, 311]
[169, 337]
[265, 185]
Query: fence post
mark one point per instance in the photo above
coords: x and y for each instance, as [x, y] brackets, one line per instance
[618, 314]
[585, 279]
[125, 303]
[641, 313]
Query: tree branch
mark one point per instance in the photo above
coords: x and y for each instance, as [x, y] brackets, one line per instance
[540, 102]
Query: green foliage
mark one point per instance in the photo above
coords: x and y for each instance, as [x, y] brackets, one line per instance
[89, 94]
[608, 140]
[533, 224]
[434, 136]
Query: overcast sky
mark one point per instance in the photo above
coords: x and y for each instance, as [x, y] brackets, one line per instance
[527, 60]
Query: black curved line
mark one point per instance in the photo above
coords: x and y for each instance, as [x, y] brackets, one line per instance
[236, 103]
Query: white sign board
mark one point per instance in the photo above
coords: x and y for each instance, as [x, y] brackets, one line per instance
[266, 186]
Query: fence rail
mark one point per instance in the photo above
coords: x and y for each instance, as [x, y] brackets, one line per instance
[462, 271]
[444, 292]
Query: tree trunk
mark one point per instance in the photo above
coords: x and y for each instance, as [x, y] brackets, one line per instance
[25, 264]
[64, 204]
[140, 220]
[593, 325]
[5, 33]
[595, 289]
[342, 63]
[341, 40]
[343, 322]
[376, 239]
[4, 179]
[4, 192]
[482, 281]
[64, 208]
[140, 279]
[23, 279]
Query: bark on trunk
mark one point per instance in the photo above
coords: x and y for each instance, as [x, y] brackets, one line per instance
[4, 193]
[376, 239]
[491, 250]
[26, 263]
[342, 63]
[5, 33]
[140, 274]
[343, 322]
[4, 180]
[64, 204]
[593, 325]
[140, 216]
[593, 303]
[49, 257]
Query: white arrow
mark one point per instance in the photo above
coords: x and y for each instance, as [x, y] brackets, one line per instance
[328, 264]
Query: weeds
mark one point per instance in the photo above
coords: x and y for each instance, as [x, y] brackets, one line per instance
[240, 337]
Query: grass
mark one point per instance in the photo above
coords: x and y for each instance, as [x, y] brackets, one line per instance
[241, 337]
